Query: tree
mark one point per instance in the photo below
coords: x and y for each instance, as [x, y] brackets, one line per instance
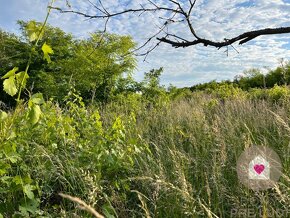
[98, 63]
[152, 78]
[47, 77]
[177, 12]
[91, 65]
[151, 85]
[275, 77]
[127, 85]
[253, 79]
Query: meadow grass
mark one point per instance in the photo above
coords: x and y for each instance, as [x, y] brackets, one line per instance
[195, 146]
[176, 159]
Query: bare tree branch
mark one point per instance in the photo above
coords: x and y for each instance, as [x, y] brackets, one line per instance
[243, 38]
[184, 11]
[110, 15]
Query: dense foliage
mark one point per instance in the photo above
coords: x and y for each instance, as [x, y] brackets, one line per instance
[93, 66]
[254, 78]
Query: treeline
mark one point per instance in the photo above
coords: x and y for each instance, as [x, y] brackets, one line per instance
[99, 69]
[253, 78]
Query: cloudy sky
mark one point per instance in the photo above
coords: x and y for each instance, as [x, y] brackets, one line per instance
[212, 19]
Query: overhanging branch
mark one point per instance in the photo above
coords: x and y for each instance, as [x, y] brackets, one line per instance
[176, 7]
[243, 38]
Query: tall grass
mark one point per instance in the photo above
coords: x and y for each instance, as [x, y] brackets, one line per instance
[175, 159]
[195, 145]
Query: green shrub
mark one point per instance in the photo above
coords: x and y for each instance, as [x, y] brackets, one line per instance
[60, 153]
[257, 94]
[279, 93]
[227, 91]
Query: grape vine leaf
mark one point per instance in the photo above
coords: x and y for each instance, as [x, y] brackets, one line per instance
[10, 73]
[37, 98]
[46, 51]
[27, 189]
[34, 114]
[9, 86]
[3, 116]
[33, 31]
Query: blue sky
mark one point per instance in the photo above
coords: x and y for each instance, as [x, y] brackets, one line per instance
[214, 19]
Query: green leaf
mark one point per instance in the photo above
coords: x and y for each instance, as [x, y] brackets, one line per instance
[17, 180]
[10, 73]
[33, 31]
[37, 98]
[46, 51]
[9, 86]
[27, 189]
[34, 114]
[3, 116]
[29, 206]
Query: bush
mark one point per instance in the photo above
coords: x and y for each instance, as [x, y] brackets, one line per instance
[279, 93]
[256, 94]
[227, 91]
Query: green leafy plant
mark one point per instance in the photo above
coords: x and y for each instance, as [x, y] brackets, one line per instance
[17, 185]
[279, 93]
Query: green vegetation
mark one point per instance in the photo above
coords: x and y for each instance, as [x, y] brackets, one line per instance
[254, 78]
[123, 159]
[93, 66]
[77, 126]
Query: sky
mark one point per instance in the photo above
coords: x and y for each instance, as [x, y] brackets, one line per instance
[212, 19]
